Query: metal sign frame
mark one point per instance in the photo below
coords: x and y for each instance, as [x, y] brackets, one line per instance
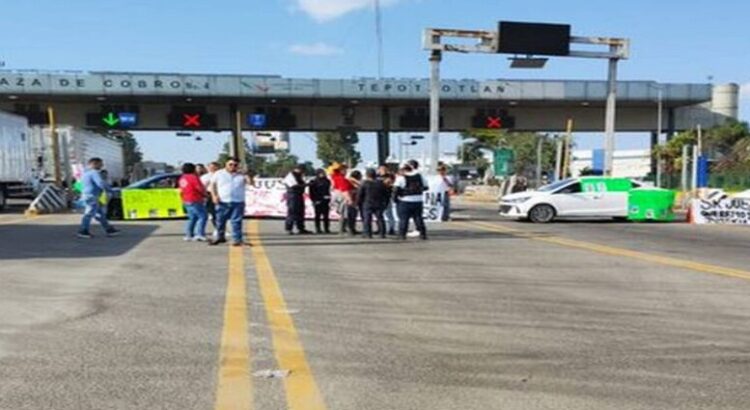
[487, 43]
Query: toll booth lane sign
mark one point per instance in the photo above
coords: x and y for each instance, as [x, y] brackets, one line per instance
[112, 119]
[257, 120]
[191, 120]
[494, 122]
[128, 119]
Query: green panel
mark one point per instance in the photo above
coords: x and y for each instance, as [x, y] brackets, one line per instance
[503, 162]
[152, 203]
[596, 184]
[651, 204]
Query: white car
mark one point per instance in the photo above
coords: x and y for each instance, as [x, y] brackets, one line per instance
[575, 197]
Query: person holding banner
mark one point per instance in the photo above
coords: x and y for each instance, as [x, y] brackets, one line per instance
[410, 186]
[352, 210]
[342, 196]
[228, 194]
[442, 185]
[206, 180]
[320, 195]
[295, 201]
[372, 198]
[385, 175]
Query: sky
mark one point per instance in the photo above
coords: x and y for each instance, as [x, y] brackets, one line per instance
[672, 41]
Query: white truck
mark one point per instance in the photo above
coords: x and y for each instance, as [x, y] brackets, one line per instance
[80, 145]
[17, 164]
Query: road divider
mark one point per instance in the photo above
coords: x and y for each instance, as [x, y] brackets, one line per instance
[302, 391]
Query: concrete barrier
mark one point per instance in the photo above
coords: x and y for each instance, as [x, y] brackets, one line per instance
[481, 193]
[52, 199]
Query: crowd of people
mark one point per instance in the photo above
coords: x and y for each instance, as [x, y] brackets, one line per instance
[214, 193]
[377, 196]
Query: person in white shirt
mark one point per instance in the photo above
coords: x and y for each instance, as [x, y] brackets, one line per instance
[206, 181]
[228, 194]
[442, 184]
[410, 186]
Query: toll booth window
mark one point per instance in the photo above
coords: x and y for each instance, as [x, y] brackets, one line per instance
[570, 189]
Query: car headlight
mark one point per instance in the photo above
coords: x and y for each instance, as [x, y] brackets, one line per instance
[517, 200]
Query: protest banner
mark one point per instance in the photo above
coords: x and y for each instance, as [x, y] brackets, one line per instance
[152, 203]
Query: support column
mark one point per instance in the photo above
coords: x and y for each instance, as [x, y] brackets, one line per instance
[384, 137]
[236, 143]
[670, 124]
[609, 121]
[654, 143]
[56, 147]
[435, 109]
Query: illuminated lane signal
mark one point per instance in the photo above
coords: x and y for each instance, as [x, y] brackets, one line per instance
[492, 119]
[494, 122]
[112, 119]
[191, 120]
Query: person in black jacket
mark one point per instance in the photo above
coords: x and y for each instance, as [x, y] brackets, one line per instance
[372, 199]
[320, 195]
[385, 175]
[295, 197]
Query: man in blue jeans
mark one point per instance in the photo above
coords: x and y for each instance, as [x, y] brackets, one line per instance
[228, 194]
[93, 185]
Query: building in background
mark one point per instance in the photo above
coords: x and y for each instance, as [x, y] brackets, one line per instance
[270, 142]
[627, 163]
[147, 169]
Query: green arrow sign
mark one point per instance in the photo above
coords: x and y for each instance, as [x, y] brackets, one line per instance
[111, 119]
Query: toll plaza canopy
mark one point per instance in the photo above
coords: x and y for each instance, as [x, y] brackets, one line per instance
[258, 86]
[168, 101]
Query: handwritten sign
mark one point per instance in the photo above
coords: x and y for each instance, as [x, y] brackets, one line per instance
[152, 203]
[735, 211]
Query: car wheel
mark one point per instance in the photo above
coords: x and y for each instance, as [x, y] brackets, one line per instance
[542, 214]
[620, 218]
[3, 198]
[114, 210]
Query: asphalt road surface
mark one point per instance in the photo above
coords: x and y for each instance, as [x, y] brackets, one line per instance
[487, 314]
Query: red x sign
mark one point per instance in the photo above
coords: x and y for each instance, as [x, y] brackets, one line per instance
[494, 122]
[191, 120]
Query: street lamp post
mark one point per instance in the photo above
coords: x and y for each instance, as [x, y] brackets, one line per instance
[659, 128]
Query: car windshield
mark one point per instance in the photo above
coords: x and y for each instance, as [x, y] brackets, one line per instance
[163, 180]
[555, 185]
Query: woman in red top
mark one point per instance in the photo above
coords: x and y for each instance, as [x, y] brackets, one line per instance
[193, 194]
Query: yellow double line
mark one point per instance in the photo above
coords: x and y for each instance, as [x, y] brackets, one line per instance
[613, 251]
[234, 387]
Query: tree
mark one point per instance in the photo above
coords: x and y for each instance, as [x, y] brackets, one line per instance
[671, 152]
[523, 144]
[131, 151]
[726, 145]
[338, 147]
[280, 165]
[277, 165]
